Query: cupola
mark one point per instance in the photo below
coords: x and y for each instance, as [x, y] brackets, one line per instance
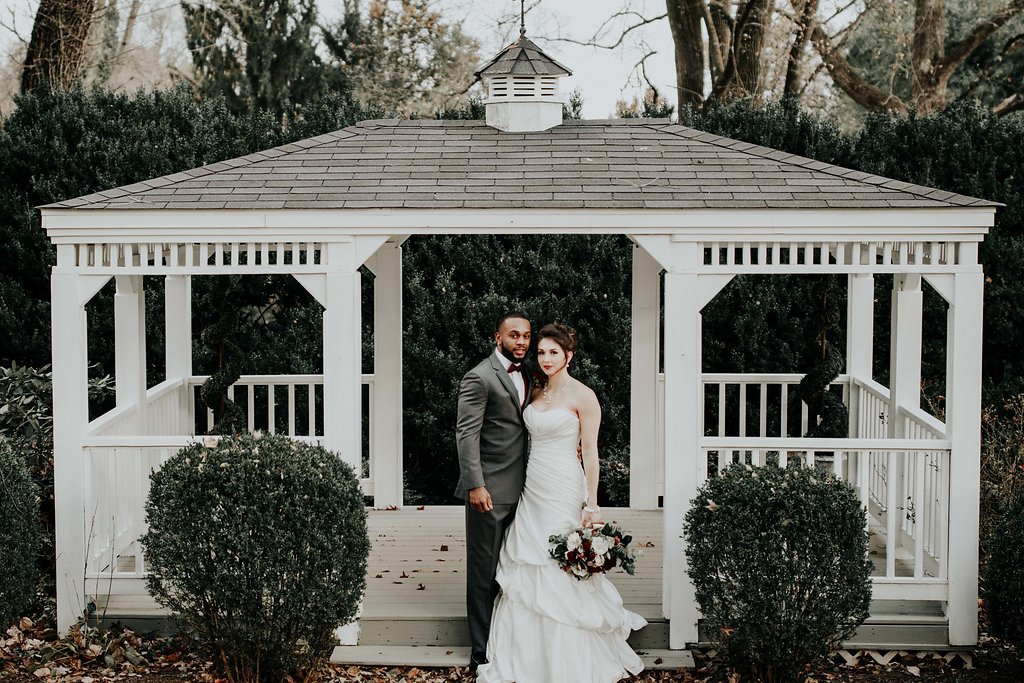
[522, 88]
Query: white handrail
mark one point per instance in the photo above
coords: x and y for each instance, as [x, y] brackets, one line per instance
[926, 421]
[164, 388]
[110, 417]
[872, 387]
[770, 378]
[795, 444]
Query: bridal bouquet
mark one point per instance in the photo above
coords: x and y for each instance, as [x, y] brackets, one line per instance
[593, 550]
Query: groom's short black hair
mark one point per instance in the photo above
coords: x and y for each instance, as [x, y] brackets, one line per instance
[509, 316]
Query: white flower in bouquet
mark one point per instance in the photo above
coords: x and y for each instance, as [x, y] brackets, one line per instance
[599, 544]
[573, 542]
[580, 571]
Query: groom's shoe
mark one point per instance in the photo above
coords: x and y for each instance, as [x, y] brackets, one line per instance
[476, 659]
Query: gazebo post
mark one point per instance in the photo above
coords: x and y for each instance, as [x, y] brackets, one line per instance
[130, 346]
[178, 341]
[386, 437]
[904, 349]
[343, 356]
[963, 425]
[69, 292]
[860, 321]
[682, 433]
[643, 417]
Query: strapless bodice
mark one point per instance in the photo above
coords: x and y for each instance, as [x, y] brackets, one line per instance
[554, 429]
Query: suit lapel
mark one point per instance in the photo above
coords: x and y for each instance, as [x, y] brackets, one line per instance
[506, 381]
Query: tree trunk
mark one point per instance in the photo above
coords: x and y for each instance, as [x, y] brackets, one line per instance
[794, 68]
[928, 55]
[750, 49]
[56, 50]
[684, 17]
[742, 77]
[721, 22]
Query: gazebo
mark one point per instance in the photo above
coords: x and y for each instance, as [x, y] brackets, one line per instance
[699, 210]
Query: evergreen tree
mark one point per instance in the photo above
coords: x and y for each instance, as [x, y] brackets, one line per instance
[257, 54]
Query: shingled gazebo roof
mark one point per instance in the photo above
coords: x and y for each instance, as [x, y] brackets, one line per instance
[617, 164]
[522, 58]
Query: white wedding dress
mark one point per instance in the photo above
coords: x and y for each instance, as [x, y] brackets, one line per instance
[547, 626]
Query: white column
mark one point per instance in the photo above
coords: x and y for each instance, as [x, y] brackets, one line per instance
[682, 434]
[178, 325]
[904, 349]
[343, 356]
[386, 411]
[70, 417]
[130, 345]
[178, 344]
[643, 422]
[860, 321]
[963, 426]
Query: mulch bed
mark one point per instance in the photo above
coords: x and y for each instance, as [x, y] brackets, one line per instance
[30, 653]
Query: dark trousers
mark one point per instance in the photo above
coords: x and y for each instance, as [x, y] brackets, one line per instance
[485, 532]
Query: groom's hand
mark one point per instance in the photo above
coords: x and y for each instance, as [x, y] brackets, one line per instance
[480, 499]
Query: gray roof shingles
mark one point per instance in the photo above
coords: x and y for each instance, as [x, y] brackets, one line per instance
[628, 163]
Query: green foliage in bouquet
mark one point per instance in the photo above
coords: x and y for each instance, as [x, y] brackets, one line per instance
[1003, 579]
[259, 545]
[778, 557]
[21, 535]
[586, 551]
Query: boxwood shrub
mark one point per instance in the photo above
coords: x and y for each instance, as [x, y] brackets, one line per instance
[778, 557]
[21, 535]
[259, 545]
[1003, 580]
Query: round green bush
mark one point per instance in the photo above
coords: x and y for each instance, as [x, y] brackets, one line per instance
[21, 535]
[259, 545]
[778, 557]
[1003, 580]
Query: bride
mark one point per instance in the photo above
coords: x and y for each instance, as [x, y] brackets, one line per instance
[548, 626]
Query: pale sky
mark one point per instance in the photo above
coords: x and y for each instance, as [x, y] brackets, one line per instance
[603, 76]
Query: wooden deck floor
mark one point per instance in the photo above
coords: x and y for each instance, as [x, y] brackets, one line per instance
[415, 592]
[417, 567]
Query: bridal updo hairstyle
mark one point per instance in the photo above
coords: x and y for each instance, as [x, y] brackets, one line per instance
[561, 334]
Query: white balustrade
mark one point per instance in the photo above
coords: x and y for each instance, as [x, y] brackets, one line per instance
[823, 257]
[912, 517]
[758, 405]
[192, 258]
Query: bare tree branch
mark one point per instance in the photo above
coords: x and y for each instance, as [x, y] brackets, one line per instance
[1014, 102]
[594, 40]
[962, 50]
[852, 83]
[1011, 46]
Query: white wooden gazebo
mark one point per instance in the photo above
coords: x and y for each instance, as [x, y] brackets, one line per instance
[699, 209]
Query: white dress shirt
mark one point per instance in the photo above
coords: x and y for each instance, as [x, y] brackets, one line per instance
[517, 377]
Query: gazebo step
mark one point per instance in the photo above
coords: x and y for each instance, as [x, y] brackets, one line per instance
[443, 656]
[454, 631]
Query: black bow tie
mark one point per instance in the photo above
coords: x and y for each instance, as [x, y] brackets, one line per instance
[515, 367]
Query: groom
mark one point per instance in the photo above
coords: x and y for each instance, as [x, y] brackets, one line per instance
[492, 443]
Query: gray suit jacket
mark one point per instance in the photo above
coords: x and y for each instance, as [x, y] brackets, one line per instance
[490, 433]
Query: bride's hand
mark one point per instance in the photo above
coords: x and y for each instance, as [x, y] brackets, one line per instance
[592, 518]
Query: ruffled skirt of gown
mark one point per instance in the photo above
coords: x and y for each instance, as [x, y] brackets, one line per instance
[547, 626]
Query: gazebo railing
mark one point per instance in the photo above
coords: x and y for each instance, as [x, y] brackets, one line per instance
[761, 405]
[117, 470]
[122, 447]
[908, 512]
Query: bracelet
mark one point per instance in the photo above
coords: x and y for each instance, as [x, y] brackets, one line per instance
[591, 509]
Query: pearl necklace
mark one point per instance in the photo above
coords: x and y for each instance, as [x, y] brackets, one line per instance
[553, 397]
